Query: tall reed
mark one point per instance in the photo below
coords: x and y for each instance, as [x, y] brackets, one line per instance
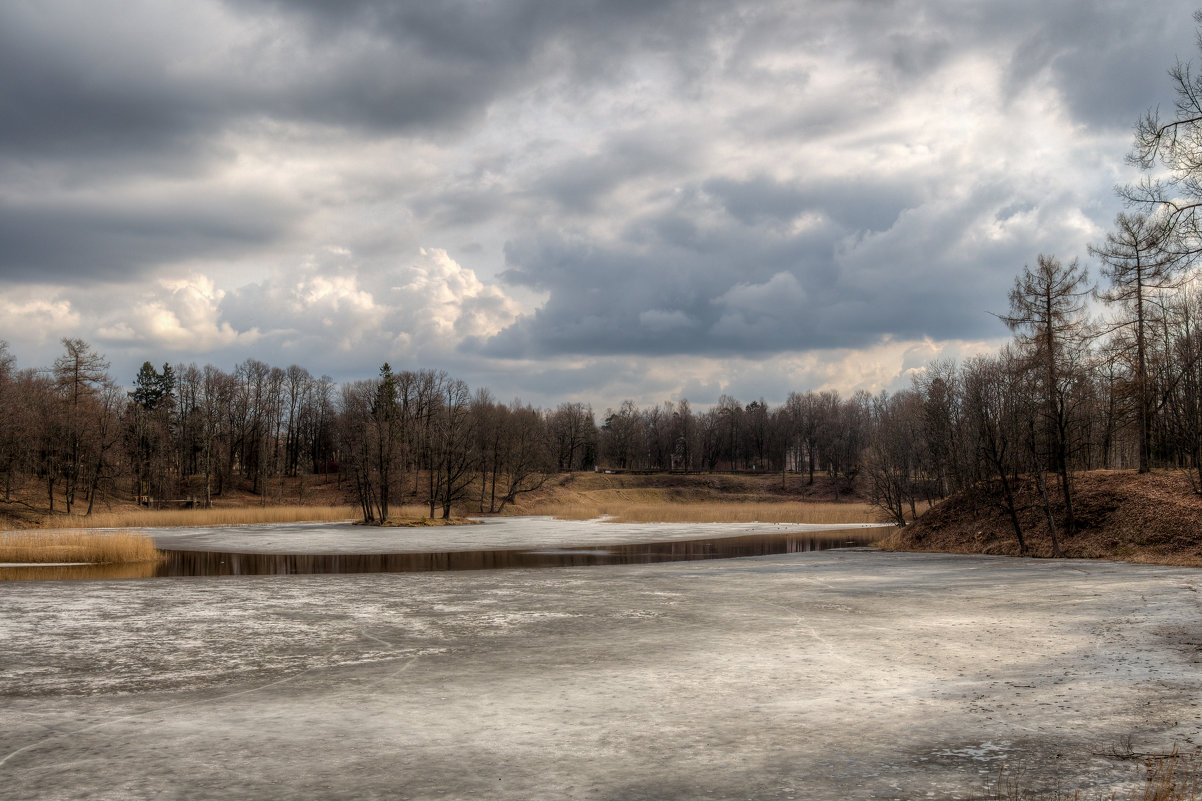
[109, 547]
[217, 516]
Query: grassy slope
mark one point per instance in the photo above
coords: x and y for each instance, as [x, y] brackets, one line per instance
[686, 488]
[709, 497]
[719, 497]
[1154, 518]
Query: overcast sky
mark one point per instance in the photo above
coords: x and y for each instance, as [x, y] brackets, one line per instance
[559, 200]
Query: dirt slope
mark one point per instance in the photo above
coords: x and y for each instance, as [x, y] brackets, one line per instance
[1154, 518]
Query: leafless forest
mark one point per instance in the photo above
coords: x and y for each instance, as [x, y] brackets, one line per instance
[1069, 393]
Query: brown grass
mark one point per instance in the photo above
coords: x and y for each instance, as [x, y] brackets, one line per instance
[636, 511]
[1172, 778]
[693, 498]
[219, 516]
[1167, 777]
[1154, 518]
[108, 547]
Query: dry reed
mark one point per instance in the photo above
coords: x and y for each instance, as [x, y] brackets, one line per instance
[715, 512]
[109, 547]
[218, 516]
[1167, 777]
[1173, 777]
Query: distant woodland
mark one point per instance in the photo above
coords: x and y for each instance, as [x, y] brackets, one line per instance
[1070, 392]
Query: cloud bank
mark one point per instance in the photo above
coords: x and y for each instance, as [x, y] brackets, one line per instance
[558, 200]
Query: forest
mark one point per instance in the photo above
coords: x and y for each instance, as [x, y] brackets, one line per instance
[1070, 392]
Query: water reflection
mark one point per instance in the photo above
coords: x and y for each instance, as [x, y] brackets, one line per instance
[211, 563]
[45, 572]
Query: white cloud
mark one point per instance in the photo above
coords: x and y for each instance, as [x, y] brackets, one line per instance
[182, 314]
[27, 319]
[442, 299]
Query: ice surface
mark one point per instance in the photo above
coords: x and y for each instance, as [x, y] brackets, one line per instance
[491, 533]
[823, 675]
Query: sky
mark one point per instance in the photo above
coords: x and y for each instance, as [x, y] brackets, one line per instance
[559, 200]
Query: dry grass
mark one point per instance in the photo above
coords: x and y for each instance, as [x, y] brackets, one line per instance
[1154, 518]
[220, 516]
[622, 511]
[1167, 777]
[1172, 778]
[108, 547]
[695, 498]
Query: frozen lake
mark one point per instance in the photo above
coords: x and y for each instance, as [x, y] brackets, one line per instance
[492, 533]
[823, 675]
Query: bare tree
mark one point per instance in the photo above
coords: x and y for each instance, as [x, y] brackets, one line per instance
[527, 459]
[1047, 309]
[79, 375]
[993, 406]
[356, 434]
[1174, 145]
[1138, 262]
[10, 427]
[454, 439]
[572, 432]
[806, 421]
[891, 458]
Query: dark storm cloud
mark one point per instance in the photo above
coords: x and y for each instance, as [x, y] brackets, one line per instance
[744, 284]
[64, 241]
[663, 291]
[78, 84]
[434, 65]
[579, 185]
[64, 101]
[856, 202]
[701, 178]
[66, 95]
[1108, 59]
[87, 95]
[748, 285]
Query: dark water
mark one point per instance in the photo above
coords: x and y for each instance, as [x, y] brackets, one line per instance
[212, 563]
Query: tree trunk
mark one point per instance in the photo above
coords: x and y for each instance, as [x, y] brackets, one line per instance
[1047, 509]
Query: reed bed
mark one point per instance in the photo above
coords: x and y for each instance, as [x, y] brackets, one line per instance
[218, 516]
[1167, 777]
[1173, 777]
[106, 547]
[715, 512]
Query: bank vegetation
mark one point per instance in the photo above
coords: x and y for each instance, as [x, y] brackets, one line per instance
[93, 547]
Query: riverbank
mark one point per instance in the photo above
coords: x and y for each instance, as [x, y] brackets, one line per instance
[1154, 518]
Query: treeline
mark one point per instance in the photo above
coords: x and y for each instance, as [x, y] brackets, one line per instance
[1069, 393]
[185, 430]
[1072, 391]
[405, 437]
